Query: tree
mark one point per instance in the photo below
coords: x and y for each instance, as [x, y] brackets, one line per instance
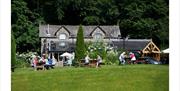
[80, 46]
[13, 52]
[25, 26]
[136, 18]
[144, 20]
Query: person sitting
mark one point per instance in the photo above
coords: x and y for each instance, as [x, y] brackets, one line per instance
[87, 60]
[133, 58]
[35, 62]
[122, 58]
[54, 61]
[69, 61]
[99, 61]
[42, 61]
[48, 63]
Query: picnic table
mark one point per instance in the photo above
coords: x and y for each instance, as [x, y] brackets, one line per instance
[92, 63]
[39, 65]
[140, 60]
[43, 66]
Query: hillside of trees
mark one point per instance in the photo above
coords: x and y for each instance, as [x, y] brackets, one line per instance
[136, 18]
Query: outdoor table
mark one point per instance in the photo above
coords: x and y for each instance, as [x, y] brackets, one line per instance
[92, 62]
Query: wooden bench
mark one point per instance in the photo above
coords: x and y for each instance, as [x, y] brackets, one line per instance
[49, 66]
[82, 63]
[39, 67]
[92, 63]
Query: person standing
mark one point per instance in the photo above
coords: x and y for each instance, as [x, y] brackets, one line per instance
[122, 58]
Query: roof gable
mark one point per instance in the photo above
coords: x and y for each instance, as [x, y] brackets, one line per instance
[151, 48]
[98, 30]
[63, 30]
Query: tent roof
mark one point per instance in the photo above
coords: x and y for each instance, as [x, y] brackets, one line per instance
[166, 50]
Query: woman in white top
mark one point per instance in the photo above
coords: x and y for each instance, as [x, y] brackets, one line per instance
[87, 60]
[53, 60]
[122, 58]
[99, 61]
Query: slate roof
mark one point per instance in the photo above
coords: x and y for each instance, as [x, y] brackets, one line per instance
[132, 44]
[72, 29]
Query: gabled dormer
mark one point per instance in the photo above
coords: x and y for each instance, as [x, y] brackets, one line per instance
[62, 33]
[98, 33]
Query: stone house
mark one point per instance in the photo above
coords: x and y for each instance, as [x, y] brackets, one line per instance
[57, 39]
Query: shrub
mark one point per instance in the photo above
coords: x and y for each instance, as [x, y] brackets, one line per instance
[107, 53]
[80, 47]
[97, 48]
[112, 58]
[24, 59]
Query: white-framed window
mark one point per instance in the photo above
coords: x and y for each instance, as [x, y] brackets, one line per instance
[98, 36]
[62, 36]
[62, 44]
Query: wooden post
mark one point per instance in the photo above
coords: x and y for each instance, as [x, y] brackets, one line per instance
[58, 57]
[52, 54]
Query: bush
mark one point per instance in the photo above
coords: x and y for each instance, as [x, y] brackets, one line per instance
[111, 58]
[97, 48]
[107, 53]
[24, 59]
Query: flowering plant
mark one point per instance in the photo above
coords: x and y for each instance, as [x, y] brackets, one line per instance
[24, 59]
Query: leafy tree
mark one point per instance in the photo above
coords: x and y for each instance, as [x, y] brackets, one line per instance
[145, 19]
[25, 26]
[80, 46]
[136, 18]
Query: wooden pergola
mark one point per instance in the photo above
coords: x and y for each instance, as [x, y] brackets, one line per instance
[151, 50]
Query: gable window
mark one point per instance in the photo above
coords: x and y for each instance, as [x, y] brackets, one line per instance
[98, 36]
[62, 44]
[62, 36]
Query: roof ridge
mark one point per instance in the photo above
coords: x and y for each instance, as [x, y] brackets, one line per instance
[75, 25]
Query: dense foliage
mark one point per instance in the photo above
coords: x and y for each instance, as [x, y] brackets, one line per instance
[25, 26]
[25, 59]
[108, 54]
[97, 48]
[80, 46]
[137, 18]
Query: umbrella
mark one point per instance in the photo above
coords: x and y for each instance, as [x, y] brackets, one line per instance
[66, 54]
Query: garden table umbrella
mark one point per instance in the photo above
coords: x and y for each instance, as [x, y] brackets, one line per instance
[66, 54]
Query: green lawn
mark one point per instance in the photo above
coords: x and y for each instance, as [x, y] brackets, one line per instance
[106, 78]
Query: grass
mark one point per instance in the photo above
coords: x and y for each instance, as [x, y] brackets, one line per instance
[106, 78]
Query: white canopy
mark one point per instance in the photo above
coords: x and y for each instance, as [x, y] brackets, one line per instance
[66, 54]
[166, 50]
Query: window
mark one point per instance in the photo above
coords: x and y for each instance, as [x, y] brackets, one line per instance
[62, 44]
[62, 36]
[53, 45]
[98, 36]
